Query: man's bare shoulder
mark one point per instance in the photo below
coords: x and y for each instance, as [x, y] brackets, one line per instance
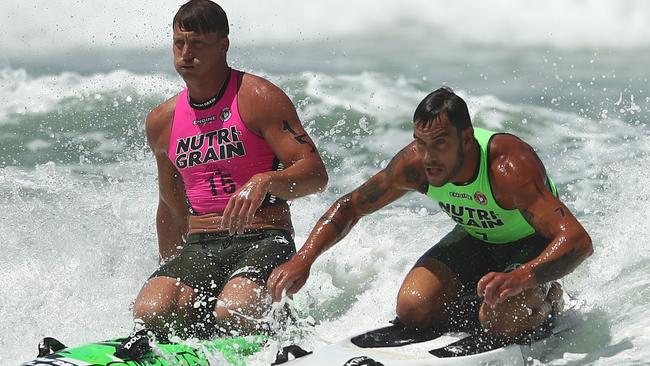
[262, 104]
[513, 165]
[406, 170]
[510, 156]
[162, 114]
[263, 93]
[256, 84]
[158, 123]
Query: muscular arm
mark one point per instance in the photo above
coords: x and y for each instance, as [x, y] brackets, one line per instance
[341, 217]
[403, 174]
[570, 245]
[269, 112]
[519, 179]
[171, 215]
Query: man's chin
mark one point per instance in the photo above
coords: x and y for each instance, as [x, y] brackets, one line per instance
[436, 182]
[186, 71]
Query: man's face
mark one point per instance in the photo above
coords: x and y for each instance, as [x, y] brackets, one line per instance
[196, 54]
[441, 149]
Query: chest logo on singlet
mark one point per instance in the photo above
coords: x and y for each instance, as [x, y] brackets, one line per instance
[225, 114]
[204, 120]
[480, 198]
[470, 216]
[460, 195]
[222, 144]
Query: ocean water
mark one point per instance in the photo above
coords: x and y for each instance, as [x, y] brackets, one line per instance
[78, 187]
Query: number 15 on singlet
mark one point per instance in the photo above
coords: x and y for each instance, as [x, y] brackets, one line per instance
[227, 183]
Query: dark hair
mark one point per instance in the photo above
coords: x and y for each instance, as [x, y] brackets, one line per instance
[443, 100]
[202, 16]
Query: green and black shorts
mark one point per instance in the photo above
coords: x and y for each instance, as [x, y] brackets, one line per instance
[208, 261]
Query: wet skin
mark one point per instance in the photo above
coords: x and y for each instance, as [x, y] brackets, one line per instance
[440, 154]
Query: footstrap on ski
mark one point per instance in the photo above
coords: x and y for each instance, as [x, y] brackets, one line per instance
[134, 347]
[49, 345]
[283, 355]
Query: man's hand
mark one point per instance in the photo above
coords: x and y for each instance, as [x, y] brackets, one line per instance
[243, 204]
[291, 275]
[496, 287]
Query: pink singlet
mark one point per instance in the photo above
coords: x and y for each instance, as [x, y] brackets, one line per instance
[214, 151]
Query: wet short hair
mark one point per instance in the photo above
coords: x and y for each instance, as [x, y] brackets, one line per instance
[439, 102]
[202, 16]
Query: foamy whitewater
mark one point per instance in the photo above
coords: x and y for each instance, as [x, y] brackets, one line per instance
[78, 189]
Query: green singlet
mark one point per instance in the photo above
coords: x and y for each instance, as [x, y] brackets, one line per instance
[472, 205]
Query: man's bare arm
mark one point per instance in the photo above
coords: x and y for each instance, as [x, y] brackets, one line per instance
[171, 215]
[273, 116]
[403, 174]
[519, 181]
[268, 112]
[570, 244]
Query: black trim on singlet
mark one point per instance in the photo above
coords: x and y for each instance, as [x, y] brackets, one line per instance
[212, 101]
[487, 166]
[477, 171]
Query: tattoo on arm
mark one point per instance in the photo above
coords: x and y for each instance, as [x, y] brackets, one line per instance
[556, 268]
[560, 211]
[371, 193]
[412, 174]
[402, 167]
[287, 127]
[301, 139]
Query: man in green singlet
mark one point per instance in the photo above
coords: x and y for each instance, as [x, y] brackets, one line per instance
[513, 236]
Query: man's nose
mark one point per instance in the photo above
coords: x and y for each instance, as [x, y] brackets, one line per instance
[427, 157]
[186, 52]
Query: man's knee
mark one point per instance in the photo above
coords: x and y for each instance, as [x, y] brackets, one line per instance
[413, 313]
[161, 297]
[427, 294]
[222, 312]
[494, 322]
[241, 305]
[514, 316]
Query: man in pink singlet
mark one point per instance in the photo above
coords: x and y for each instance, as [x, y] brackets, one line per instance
[230, 151]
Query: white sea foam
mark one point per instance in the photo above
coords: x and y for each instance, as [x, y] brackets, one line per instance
[79, 240]
[23, 94]
[35, 28]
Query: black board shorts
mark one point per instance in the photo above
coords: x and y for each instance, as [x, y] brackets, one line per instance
[207, 261]
[470, 258]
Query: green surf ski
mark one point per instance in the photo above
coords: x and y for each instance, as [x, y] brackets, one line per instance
[233, 350]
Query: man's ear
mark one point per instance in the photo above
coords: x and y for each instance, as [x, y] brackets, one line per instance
[468, 135]
[225, 44]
